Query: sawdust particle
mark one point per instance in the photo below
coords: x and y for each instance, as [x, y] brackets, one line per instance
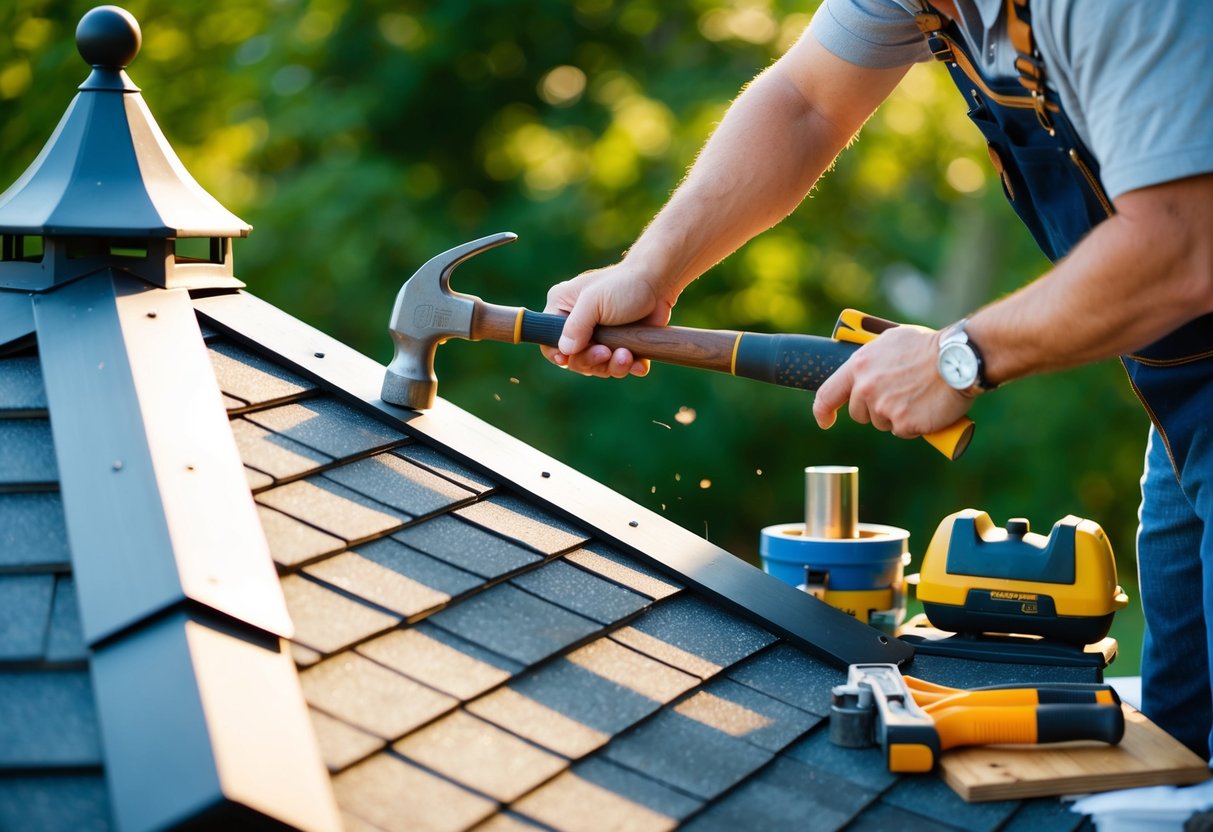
[653, 490]
[496, 397]
[758, 471]
[663, 424]
[663, 506]
[685, 415]
[514, 380]
[705, 484]
[678, 478]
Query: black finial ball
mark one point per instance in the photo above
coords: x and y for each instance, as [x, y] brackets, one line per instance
[108, 37]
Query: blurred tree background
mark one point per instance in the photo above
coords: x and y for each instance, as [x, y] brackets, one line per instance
[362, 137]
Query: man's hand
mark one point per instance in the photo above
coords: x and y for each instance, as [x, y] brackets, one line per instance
[892, 382]
[618, 294]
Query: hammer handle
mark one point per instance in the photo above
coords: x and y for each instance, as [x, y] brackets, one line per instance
[789, 360]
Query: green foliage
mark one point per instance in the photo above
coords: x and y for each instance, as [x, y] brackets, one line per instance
[361, 138]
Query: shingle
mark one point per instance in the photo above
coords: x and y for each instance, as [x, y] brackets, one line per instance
[21, 390]
[514, 519]
[440, 660]
[274, 454]
[257, 480]
[579, 591]
[292, 542]
[326, 621]
[400, 484]
[396, 796]
[786, 795]
[932, 798]
[747, 714]
[506, 822]
[443, 466]
[865, 767]
[520, 714]
[686, 754]
[1044, 815]
[476, 754]
[519, 626]
[691, 635]
[625, 571]
[232, 403]
[76, 802]
[48, 718]
[964, 673]
[32, 531]
[421, 568]
[341, 745]
[65, 639]
[333, 508]
[371, 697]
[25, 613]
[252, 378]
[359, 576]
[634, 671]
[586, 709]
[880, 817]
[464, 545]
[791, 675]
[583, 799]
[304, 656]
[27, 453]
[328, 426]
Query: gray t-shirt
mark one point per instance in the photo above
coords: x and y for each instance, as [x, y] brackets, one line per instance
[1132, 76]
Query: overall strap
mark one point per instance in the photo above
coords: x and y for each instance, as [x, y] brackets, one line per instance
[1028, 61]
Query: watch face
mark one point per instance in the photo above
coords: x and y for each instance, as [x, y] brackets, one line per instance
[958, 366]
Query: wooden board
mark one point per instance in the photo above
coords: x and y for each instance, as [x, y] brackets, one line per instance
[1147, 756]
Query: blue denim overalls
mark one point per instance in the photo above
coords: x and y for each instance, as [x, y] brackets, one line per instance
[1053, 184]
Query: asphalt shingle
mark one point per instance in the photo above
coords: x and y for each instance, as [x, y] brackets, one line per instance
[396, 796]
[694, 636]
[33, 532]
[580, 591]
[634, 671]
[441, 660]
[786, 795]
[791, 675]
[932, 798]
[367, 695]
[252, 378]
[583, 799]
[21, 390]
[515, 624]
[686, 754]
[328, 426]
[400, 484]
[342, 745]
[293, 542]
[880, 817]
[48, 719]
[747, 714]
[441, 465]
[76, 802]
[466, 546]
[25, 613]
[415, 566]
[274, 454]
[481, 756]
[512, 518]
[327, 621]
[1044, 815]
[534, 721]
[367, 579]
[624, 571]
[65, 638]
[865, 767]
[27, 453]
[333, 508]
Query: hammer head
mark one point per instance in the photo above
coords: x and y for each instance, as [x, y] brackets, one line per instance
[426, 314]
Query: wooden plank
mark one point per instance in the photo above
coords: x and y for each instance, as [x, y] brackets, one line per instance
[1147, 756]
[828, 633]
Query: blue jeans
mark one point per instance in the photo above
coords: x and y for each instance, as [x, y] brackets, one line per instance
[1175, 569]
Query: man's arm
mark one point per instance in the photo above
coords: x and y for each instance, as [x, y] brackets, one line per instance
[774, 142]
[1136, 277]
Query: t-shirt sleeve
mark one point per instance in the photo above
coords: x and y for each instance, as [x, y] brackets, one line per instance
[879, 34]
[1140, 76]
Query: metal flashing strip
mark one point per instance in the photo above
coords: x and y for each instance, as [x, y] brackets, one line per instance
[158, 510]
[739, 587]
[202, 723]
[16, 317]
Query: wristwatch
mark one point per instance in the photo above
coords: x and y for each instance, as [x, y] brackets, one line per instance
[960, 364]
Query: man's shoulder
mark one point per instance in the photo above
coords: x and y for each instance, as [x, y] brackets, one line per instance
[873, 33]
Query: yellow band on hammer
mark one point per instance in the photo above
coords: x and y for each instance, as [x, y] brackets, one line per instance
[518, 326]
[733, 359]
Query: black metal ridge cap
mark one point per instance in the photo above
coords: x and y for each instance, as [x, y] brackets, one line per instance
[739, 587]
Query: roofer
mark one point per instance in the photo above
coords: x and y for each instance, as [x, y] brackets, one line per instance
[1099, 118]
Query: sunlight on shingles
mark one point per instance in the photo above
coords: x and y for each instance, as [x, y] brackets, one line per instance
[285, 418]
[438, 665]
[537, 722]
[723, 715]
[572, 803]
[666, 652]
[627, 668]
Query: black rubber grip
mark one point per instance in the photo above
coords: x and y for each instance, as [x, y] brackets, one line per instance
[1061, 696]
[803, 361]
[1061, 723]
[542, 328]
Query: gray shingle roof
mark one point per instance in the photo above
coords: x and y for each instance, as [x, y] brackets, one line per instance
[465, 654]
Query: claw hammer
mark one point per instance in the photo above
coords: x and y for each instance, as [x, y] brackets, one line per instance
[428, 313]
